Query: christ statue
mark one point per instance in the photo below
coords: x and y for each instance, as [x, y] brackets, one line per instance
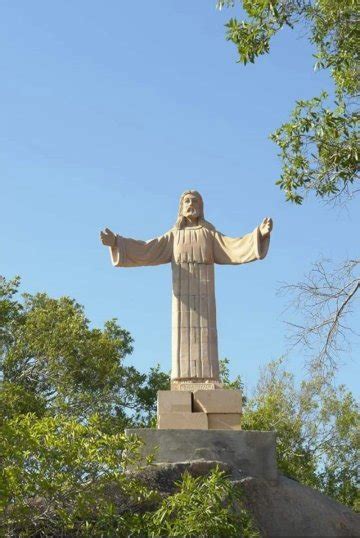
[192, 247]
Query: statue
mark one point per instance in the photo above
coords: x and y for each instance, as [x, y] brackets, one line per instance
[192, 246]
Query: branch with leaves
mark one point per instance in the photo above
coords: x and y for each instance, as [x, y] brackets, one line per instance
[319, 144]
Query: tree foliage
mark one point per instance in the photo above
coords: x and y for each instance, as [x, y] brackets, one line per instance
[319, 150]
[320, 143]
[63, 478]
[55, 362]
[198, 509]
[56, 473]
[317, 427]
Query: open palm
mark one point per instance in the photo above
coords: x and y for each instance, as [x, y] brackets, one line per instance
[266, 226]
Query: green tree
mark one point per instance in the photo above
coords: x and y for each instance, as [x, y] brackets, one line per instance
[55, 476]
[319, 145]
[52, 362]
[317, 427]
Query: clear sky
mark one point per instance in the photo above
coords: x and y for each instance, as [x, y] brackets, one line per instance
[108, 112]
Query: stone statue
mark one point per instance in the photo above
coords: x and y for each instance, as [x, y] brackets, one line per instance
[192, 246]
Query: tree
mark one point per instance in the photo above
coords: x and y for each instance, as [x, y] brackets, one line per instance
[317, 430]
[320, 143]
[52, 362]
[55, 473]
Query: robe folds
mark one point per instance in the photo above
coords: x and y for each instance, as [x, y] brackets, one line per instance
[192, 252]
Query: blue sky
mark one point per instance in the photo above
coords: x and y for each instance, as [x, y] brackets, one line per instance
[108, 112]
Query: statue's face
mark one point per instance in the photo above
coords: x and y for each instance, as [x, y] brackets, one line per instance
[191, 207]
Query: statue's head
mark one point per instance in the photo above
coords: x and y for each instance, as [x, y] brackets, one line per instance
[191, 209]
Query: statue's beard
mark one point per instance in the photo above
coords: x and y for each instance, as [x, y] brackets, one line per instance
[191, 212]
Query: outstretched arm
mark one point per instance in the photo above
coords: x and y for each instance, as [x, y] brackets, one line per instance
[126, 252]
[250, 247]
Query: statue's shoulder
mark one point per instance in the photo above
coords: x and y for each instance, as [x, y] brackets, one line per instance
[208, 226]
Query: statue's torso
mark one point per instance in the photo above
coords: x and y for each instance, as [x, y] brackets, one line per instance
[193, 245]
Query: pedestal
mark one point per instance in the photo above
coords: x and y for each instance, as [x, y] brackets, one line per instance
[248, 453]
[199, 409]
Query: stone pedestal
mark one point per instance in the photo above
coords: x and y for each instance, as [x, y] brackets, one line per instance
[199, 409]
[248, 453]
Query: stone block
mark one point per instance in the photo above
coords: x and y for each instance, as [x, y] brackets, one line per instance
[183, 421]
[174, 402]
[217, 401]
[224, 421]
[195, 385]
[248, 453]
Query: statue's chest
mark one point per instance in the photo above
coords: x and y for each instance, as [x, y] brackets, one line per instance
[193, 245]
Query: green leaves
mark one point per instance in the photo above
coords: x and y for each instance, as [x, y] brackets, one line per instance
[52, 362]
[319, 150]
[319, 145]
[336, 34]
[60, 478]
[317, 430]
[10, 311]
[56, 474]
[251, 39]
[203, 506]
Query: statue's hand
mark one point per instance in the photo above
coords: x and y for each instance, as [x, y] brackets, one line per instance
[266, 226]
[108, 238]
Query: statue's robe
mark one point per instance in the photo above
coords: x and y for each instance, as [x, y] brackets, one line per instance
[192, 252]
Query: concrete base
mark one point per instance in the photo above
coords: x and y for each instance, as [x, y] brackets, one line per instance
[248, 453]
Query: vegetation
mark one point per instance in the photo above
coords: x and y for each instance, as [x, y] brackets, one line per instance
[317, 427]
[52, 363]
[63, 478]
[56, 473]
[198, 509]
[324, 302]
[319, 145]
[66, 396]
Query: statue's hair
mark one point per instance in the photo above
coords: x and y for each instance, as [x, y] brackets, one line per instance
[180, 222]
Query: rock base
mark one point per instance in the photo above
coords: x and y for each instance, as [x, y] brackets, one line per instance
[282, 508]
